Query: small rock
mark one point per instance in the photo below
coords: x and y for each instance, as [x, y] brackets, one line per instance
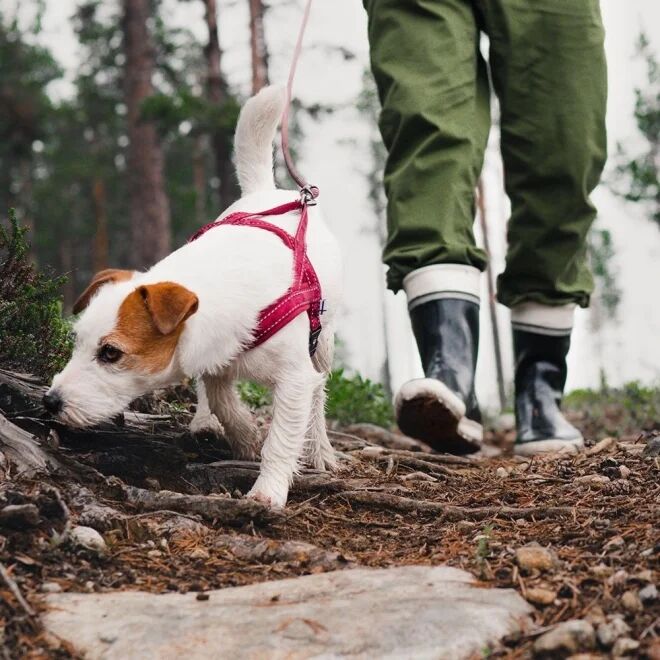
[87, 537]
[600, 446]
[19, 516]
[540, 596]
[592, 479]
[565, 639]
[645, 575]
[608, 632]
[648, 594]
[199, 553]
[90, 586]
[652, 447]
[631, 602]
[619, 578]
[534, 557]
[501, 472]
[418, 476]
[154, 553]
[624, 646]
[152, 484]
[50, 588]
[601, 570]
[202, 596]
[596, 616]
[624, 471]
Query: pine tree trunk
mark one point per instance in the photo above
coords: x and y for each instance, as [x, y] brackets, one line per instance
[216, 91]
[258, 46]
[149, 205]
[100, 248]
[66, 268]
[199, 180]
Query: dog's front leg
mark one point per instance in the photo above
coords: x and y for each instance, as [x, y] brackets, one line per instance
[283, 447]
[204, 420]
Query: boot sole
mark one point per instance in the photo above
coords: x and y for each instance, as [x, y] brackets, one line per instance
[429, 411]
[549, 446]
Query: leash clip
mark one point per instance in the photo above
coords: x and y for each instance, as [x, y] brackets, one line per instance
[308, 195]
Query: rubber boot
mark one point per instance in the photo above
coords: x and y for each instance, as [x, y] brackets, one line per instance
[540, 364]
[441, 409]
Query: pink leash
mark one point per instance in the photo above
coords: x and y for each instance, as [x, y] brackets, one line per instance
[308, 192]
[304, 294]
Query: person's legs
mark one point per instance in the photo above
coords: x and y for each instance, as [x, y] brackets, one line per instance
[548, 66]
[435, 119]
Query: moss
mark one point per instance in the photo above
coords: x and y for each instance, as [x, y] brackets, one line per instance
[33, 335]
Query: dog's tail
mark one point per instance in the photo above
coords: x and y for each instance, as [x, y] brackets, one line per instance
[253, 141]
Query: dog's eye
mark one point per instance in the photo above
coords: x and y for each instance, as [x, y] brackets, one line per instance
[109, 354]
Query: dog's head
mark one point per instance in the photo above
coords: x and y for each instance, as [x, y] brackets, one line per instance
[126, 339]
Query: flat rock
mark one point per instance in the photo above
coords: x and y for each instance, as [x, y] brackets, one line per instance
[412, 611]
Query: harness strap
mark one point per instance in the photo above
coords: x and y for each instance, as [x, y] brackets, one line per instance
[304, 294]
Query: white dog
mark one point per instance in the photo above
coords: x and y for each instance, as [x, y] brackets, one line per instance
[193, 314]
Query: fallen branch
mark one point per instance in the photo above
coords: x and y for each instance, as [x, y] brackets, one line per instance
[380, 436]
[211, 507]
[13, 587]
[453, 513]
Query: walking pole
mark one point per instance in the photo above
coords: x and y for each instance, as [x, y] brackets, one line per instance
[481, 201]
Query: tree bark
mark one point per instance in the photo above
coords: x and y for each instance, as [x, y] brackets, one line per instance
[100, 249]
[217, 94]
[149, 206]
[258, 46]
[199, 180]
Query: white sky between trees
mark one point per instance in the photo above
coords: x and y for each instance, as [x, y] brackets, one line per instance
[335, 156]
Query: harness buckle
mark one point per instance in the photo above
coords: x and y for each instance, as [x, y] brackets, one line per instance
[308, 195]
[314, 340]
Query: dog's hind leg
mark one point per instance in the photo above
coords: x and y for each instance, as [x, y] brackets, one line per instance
[321, 454]
[283, 448]
[241, 431]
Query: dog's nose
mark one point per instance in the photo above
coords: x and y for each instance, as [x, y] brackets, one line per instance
[52, 402]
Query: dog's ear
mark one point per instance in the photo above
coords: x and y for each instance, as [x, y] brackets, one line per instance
[169, 304]
[101, 278]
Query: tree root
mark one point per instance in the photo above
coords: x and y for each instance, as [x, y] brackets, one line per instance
[210, 507]
[448, 512]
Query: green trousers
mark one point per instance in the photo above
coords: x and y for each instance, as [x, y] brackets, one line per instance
[547, 66]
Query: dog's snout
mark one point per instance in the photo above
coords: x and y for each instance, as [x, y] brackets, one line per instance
[52, 402]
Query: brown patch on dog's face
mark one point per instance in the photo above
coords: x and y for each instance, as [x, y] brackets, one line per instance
[102, 277]
[149, 323]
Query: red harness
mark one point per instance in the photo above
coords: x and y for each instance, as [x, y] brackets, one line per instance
[304, 294]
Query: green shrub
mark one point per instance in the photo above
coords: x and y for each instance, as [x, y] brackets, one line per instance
[33, 335]
[353, 399]
[615, 411]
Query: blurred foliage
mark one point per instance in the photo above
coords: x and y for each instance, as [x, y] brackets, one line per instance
[601, 254]
[615, 411]
[641, 173]
[33, 336]
[350, 399]
[353, 399]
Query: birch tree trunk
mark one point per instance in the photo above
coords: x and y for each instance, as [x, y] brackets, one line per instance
[149, 205]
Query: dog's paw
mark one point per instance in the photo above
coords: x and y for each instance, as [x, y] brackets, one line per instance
[266, 493]
[205, 423]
